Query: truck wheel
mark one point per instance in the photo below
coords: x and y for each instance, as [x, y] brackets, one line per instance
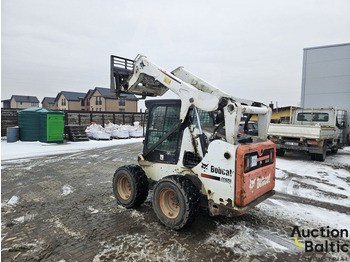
[175, 201]
[280, 152]
[322, 157]
[130, 186]
[334, 150]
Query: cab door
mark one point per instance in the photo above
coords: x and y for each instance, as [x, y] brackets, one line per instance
[163, 128]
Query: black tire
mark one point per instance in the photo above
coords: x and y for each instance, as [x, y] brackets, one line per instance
[313, 156]
[334, 150]
[322, 157]
[130, 186]
[175, 201]
[280, 152]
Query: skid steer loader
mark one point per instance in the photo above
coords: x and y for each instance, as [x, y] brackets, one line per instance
[193, 154]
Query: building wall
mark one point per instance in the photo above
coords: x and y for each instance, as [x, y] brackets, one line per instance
[14, 104]
[45, 104]
[97, 106]
[87, 102]
[6, 104]
[75, 105]
[62, 103]
[68, 105]
[130, 106]
[111, 105]
[326, 77]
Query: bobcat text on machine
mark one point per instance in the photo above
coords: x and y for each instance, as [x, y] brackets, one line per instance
[193, 153]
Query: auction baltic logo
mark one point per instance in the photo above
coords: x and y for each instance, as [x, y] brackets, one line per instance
[316, 239]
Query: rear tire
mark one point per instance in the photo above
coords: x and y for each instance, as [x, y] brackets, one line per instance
[280, 152]
[313, 156]
[322, 157]
[130, 186]
[175, 201]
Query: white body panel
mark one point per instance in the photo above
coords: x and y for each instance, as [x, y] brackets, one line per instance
[215, 164]
[302, 131]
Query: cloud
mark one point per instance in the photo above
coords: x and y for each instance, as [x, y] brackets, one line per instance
[250, 49]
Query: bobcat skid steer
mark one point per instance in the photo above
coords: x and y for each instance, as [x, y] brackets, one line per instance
[193, 154]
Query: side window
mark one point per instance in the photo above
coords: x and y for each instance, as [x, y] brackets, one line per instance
[316, 117]
[163, 119]
[122, 101]
[206, 118]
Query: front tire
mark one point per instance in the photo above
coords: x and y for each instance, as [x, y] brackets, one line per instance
[175, 201]
[130, 186]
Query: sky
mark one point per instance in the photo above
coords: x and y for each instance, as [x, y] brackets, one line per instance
[250, 49]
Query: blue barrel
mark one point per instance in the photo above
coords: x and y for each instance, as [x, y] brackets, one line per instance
[12, 134]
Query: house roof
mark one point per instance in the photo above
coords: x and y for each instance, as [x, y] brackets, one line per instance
[50, 100]
[29, 99]
[106, 92]
[71, 96]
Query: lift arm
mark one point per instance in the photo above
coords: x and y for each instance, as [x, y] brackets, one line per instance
[149, 79]
[142, 77]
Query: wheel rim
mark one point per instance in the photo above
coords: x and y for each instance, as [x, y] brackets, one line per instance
[169, 203]
[124, 187]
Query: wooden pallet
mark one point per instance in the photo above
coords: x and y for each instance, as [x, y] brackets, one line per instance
[76, 133]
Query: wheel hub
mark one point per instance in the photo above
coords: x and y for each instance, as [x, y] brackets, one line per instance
[124, 187]
[169, 203]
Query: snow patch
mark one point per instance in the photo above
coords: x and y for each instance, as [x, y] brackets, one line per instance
[92, 210]
[305, 214]
[141, 248]
[13, 201]
[248, 241]
[19, 149]
[66, 190]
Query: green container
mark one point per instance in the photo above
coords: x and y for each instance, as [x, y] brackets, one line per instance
[29, 124]
[41, 124]
[51, 127]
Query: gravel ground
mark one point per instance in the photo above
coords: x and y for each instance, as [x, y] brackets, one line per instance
[62, 208]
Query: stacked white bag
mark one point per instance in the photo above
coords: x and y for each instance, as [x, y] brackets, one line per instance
[137, 130]
[115, 131]
[97, 132]
[121, 132]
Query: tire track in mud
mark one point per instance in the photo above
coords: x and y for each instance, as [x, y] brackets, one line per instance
[311, 202]
[88, 225]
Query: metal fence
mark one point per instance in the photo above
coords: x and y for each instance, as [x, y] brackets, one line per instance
[9, 118]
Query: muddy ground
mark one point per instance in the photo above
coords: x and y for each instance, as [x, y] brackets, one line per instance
[62, 208]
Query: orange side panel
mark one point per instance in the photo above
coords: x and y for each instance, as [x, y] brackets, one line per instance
[255, 183]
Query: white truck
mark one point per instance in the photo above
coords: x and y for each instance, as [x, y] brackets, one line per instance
[313, 130]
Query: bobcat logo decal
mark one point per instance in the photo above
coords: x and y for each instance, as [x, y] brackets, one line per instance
[252, 183]
[205, 166]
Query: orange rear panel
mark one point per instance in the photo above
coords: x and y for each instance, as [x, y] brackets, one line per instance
[252, 183]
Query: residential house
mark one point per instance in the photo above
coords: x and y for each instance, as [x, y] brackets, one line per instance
[102, 99]
[21, 102]
[87, 100]
[66, 100]
[6, 103]
[48, 102]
